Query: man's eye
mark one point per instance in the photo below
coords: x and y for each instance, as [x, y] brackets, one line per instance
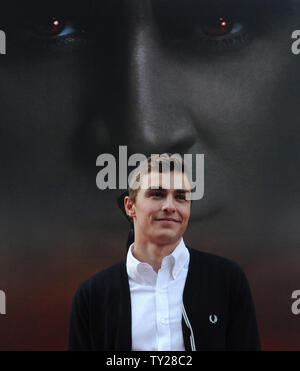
[219, 26]
[53, 26]
[157, 194]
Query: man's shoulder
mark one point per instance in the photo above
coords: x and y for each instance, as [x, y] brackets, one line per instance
[213, 262]
[219, 272]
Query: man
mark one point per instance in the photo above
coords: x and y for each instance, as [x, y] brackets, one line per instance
[165, 296]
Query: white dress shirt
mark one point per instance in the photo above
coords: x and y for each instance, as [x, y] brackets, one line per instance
[156, 300]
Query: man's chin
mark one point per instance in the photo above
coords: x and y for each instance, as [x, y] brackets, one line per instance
[165, 239]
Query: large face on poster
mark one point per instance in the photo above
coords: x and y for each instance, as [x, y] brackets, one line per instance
[220, 79]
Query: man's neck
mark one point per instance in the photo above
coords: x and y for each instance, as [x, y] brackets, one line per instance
[151, 253]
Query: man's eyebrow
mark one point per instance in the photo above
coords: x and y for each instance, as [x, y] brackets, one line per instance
[161, 189]
[182, 191]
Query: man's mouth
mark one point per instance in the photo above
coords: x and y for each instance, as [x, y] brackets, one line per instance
[170, 220]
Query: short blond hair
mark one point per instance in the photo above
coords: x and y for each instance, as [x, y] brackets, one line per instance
[163, 163]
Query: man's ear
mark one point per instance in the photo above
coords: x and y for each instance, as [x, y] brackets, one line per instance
[129, 207]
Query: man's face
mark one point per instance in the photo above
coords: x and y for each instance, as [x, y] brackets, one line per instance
[161, 215]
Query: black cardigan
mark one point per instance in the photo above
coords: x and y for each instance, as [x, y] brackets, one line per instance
[215, 288]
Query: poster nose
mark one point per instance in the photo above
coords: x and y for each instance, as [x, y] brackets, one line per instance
[154, 120]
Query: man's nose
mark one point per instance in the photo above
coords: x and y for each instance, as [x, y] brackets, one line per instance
[152, 117]
[168, 205]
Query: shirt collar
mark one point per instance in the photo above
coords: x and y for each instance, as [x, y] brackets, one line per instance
[143, 273]
[180, 258]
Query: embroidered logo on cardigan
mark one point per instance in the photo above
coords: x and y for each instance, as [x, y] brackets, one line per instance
[213, 319]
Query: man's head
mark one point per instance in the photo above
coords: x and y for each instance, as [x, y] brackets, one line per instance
[159, 200]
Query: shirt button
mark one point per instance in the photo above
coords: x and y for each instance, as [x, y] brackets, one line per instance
[164, 321]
